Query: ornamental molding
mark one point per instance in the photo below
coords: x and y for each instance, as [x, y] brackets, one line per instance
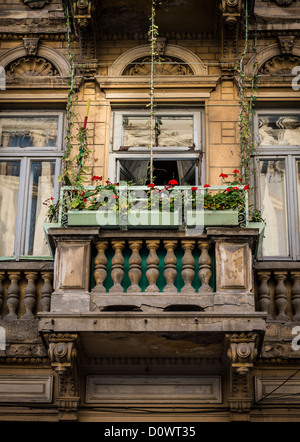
[275, 59]
[30, 67]
[192, 63]
[169, 66]
[36, 4]
[55, 58]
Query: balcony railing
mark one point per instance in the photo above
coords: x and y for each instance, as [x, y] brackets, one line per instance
[278, 290]
[126, 206]
[25, 289]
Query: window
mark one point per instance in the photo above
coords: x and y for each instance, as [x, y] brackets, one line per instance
[177, 146]
[278, 156]
[30, 152]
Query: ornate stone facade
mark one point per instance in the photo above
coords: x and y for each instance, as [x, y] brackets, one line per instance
[149, 319]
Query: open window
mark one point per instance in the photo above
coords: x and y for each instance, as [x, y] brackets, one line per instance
[177, 146]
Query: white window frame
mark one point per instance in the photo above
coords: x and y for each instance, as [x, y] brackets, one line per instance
[175, 153]
[290, 154]
[26, 155]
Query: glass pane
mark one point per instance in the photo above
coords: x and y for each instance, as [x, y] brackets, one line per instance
[9, 189]
[175, 131]
[41, 187]
[169, 131]
[183, 171]
[28, 131]
[274, 207]
[279, 130]
[136, 131]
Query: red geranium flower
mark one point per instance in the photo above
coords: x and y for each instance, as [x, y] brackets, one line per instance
[223, 175]
[235, 188]
[173, 183]
[97, 178]
[228, 190]
[247, 187]
[194, 188]
[236, 171]
[207, 185]
[152, 185]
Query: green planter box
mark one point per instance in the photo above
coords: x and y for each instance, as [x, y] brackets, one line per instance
[212, 218]
[153, 218]
[156, 219]
[103, 219]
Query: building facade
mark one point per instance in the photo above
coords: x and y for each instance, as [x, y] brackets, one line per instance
[149, 324]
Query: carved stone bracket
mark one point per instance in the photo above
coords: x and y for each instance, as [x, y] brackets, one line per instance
[241, 351]
[83, 23]
[231, 13]
[286, 43]
[63, 354]
[31, 45]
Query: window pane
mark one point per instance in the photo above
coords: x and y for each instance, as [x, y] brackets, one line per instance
[279, 130]
[175, 131]
[298, 188]
[274, 207]
[168, 131]
[136, 132]
[9, 189]
[41, 187]
[184, 171]
[28, 131]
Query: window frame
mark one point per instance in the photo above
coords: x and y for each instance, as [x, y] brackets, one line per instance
[175, 153]
[290, 154]
[26, 155]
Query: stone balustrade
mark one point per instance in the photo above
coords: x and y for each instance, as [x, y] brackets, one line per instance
[25, 292]
[155, 270]
[278, 290]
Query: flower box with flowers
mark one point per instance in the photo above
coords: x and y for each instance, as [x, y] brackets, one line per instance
[114, 205]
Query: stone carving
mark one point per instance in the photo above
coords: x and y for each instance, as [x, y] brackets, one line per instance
[46, 291]
[264, 301]
[205, 272]
[231, 12]
[30, 295]
[31, 45]
[31, 67]
[82, 12]
[241, 352]
[170, 262]
[13, 294]
[284, 2]
[188, 263]
[63, 354]
[295, 295]
[36, 4]
[118, 262]
[152, 261]
[281, 295]
[100, 263]
[280, 65]
[135, 262]
[286, 44]
[168, 66]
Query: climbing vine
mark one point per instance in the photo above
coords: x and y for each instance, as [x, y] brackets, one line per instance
[74, 169]
[153, 34]
[247, 96]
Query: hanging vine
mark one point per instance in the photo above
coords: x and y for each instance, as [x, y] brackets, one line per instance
[74, 169]
[155, 59]
[247, 97]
